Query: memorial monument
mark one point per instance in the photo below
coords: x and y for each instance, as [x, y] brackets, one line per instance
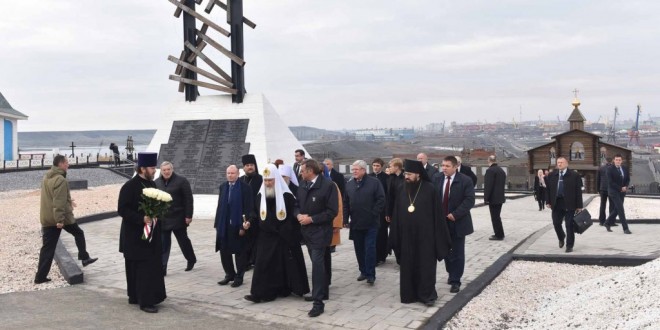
[202, 135]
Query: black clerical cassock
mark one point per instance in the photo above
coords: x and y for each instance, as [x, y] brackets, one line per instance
[419, 234]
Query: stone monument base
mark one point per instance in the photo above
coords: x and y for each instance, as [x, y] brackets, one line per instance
[202, 138]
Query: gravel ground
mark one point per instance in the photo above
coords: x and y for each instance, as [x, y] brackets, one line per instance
[636, 208]
[20, 245]
[27, 180]
[517, 298]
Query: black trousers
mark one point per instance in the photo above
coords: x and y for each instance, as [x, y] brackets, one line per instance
[50, 237]
[227, 260]
[382, 248]
[559, 214]
[182, 238]
[321, 274]
[603, 204]
[616, 200]
[496, 219]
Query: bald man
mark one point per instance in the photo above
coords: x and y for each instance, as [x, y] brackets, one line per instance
[422, 157]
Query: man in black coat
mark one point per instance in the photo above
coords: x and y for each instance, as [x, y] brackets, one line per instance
[457, 199]
[382, 247]
[233, 219]
[618, 180]
[179, 215]
[564, 188]
[280, 267]
[364, 202]
[494, 182]
[430, 170]
[254, 180]
[601, 183]
[467, 170]
[299, 156]
[318, 206]
[395, 183]
[145, 284]
[336, 177]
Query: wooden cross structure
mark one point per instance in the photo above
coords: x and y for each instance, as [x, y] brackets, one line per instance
[195, 41]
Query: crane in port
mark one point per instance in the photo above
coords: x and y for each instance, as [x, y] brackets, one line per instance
[611, 134]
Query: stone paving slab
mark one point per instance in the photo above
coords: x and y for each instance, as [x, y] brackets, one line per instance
[352, 304]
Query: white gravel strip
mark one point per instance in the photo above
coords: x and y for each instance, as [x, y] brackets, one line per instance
[636, 208]
[533, 295]
[20, 241]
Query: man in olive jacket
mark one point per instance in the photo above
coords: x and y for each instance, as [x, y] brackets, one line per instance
[56, 212]
[179, 215]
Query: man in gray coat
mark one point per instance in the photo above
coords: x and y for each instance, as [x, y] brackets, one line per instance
[179, 215]
[494, 182]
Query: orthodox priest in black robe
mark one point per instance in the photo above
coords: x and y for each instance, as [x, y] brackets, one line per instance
[280, 265]
[145, 281]
[254, 180]
[419, 233]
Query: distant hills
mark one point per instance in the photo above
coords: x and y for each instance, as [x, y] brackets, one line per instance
[83, 138]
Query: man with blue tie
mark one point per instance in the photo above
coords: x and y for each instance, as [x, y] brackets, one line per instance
[617, 186]
[564, 188]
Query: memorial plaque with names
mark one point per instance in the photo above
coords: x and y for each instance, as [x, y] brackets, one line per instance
[201, 150]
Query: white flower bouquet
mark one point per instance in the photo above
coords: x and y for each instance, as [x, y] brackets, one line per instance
[154, 204]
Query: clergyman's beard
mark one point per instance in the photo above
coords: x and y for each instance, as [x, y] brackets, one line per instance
[270, 192]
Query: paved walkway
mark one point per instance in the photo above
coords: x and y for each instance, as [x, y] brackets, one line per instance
[352, 304]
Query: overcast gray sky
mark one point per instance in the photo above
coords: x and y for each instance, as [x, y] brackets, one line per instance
[77, 65]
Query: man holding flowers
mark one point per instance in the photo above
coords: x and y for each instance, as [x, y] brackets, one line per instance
[140, 235]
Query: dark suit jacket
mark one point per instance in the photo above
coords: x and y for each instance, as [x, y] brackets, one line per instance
[364, 203]
[461, 201]
[431, 170]
[248, 210]
[182, 201]
[601, 179]
[339, 179]
[614, 180]
[572, 189]
[320, 202]
[494, 184]
[467, 170]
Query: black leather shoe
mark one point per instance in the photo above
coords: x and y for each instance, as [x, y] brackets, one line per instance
[495, 238]
[316, 311]
[569, 249]
[430, 303]
[561, 244]
[608, 228]
[225, 281]
[455, 288]
[237, 282]
[45, 280]
[149, 309]
[627, 231]
[89, 261]
[371, 281]
[310, 298]
[190, 266]
[361, 277]
[252, 299]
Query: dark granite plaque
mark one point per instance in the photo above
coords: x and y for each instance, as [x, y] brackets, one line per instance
[201, 150]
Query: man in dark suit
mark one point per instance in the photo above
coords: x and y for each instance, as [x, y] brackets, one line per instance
[382, 248]
[564, 187]
[318, 206]
[364, 203]
[430, 170]
[457, 196]
[601, 183]
[494, 182]
[336, 177]
[233, 218]
[466, 170]
[618, 179]
[300, 157]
